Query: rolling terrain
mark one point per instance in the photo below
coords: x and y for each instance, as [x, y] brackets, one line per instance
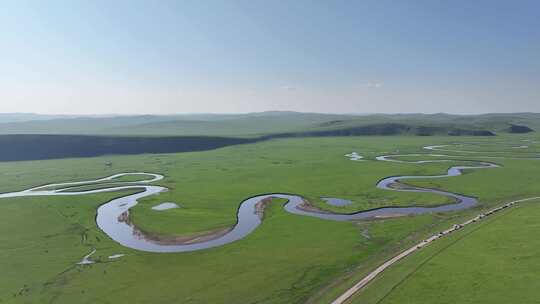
[52, 137]
[272, 123]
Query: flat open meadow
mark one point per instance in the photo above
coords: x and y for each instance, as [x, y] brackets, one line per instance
[492, 262]
[289, 258]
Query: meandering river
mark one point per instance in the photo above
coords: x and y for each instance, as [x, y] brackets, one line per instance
[113, 217]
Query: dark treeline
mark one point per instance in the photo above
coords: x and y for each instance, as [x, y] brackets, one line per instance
[387, 129]
[35, 147]
[519, 129]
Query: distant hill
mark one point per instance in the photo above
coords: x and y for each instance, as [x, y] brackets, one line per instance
[275, 123]
[18, 117]
[51, 137]
[388, 129]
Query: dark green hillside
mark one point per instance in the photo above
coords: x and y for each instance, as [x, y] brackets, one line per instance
[33, 147]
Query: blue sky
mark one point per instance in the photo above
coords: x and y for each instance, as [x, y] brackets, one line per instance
[240, 56]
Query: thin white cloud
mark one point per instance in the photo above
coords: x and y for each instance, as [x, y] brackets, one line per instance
[288, 88]
[373, 85]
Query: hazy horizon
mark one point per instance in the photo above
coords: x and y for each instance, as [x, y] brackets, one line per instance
[259, 112]
[229, 57]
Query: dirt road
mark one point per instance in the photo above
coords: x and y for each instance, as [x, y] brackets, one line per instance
[368, 278]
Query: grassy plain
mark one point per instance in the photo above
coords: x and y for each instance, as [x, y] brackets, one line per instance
[494, 261]
[288, 259]
[210, 185]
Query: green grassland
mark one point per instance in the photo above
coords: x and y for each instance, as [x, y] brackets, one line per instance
[310, 167]
[494, 261]
[288, 259]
